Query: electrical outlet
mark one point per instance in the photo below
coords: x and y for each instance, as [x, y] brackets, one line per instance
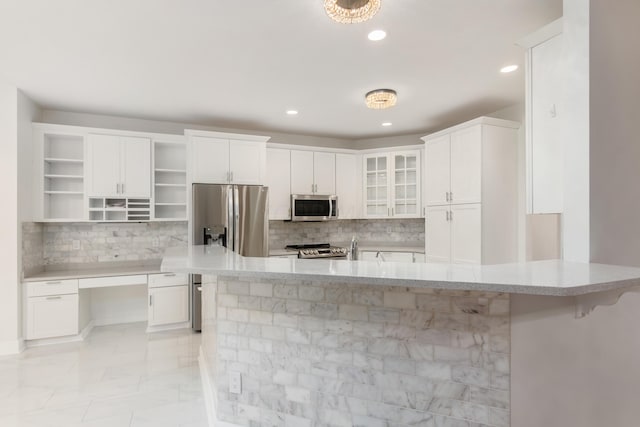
[75, 244]
[235, 382]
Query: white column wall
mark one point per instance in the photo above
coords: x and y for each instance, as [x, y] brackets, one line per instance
[575, 225]
[9, 230]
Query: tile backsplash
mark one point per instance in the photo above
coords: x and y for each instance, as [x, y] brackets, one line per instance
[282, 233]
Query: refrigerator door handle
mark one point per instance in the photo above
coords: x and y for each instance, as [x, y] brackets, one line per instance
[236, 220]
[231, 224]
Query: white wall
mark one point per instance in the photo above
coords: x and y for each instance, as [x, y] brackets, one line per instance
[615, 139]
[575, 224]
[9, 244]
[142, 125]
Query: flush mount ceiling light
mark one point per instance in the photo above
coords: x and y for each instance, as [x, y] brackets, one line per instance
[351, 11]
[381, 98]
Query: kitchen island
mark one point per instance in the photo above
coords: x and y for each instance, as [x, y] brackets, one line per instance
[320, 342]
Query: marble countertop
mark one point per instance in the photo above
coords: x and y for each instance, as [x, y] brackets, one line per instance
[553, 278]
[79, 271]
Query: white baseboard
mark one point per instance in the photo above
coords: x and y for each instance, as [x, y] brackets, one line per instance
[183, 325]
[209, 392]
[11, 347]
[62, 340]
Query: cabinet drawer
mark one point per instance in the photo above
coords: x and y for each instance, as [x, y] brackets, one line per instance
[52, 287]
[52, 316]
[167, 279]
[106, 282]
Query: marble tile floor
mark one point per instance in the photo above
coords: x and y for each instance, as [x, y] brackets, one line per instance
[119, 376]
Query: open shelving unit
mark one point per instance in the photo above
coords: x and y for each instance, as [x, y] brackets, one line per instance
[170, 181]
[115, 209]
[63, 177]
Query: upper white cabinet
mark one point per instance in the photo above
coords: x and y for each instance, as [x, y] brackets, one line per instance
[348, 172]
[279, 183]
[170, 179]
[313, 172]
[471, 190]
[392, 185]
[453, 167]
[220, 158]
[120, 166]
[60, 167]
[544, 116]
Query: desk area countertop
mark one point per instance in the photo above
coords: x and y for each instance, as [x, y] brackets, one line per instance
[552, 278]
[109, 269]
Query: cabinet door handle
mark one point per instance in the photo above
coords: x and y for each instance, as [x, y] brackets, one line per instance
[117, 188]
[451, 215]
[447, 215]
[424, 211]
[231, 180]
[150, 300]
[53, 283]
[446, 195]
[451, 196]
[392, 212]
[123, 188]
[56, 297]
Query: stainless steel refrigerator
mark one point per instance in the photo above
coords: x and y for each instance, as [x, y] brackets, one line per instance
[234, 216]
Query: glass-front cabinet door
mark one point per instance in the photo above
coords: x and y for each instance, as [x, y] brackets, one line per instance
[406, 188]
[376, 186]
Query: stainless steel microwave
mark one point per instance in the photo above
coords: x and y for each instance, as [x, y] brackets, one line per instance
[305, 207]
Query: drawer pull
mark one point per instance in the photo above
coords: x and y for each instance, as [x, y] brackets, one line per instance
[170, 275]
[53, 283]
[56, 297]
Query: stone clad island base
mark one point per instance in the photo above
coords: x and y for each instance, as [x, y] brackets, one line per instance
[333, 354]
[346, 343]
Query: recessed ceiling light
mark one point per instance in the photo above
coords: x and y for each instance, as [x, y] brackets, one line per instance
[508, 69]
[292, 112]
[377, 35]
[385, 124]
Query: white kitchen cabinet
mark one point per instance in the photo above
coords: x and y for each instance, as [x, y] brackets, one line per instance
[453, 167]
[437, 234]
[279, 183]
[454, 234]
[348, 172]
[60, 167]
[168, 305]
[170, 189]
[313, 172]
[168, 299]
[120, 166]
[222, 158]
[392, 184]
[471, 184]
[51, 309]
[544, 115]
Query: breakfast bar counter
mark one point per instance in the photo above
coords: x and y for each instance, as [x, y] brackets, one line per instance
[354, 343]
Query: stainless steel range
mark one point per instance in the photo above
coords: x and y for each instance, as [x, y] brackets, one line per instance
[320, 250]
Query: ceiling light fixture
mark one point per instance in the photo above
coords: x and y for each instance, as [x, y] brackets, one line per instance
[292, 112]
[387, 124]
[508, 69]
[377, 35]
[381, 98]
[351, 11]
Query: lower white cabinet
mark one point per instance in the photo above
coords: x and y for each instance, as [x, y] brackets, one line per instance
[168, 299]
[454, 234]
[51, 309]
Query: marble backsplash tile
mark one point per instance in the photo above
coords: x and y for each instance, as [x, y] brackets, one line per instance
[282, 233]
[32, 247]
[104, 242]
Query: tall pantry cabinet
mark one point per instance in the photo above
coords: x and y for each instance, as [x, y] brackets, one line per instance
[471, 193]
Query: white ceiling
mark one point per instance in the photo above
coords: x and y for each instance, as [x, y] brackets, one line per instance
[242, 63]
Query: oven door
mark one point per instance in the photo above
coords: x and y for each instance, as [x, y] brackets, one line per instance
[313, 208]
